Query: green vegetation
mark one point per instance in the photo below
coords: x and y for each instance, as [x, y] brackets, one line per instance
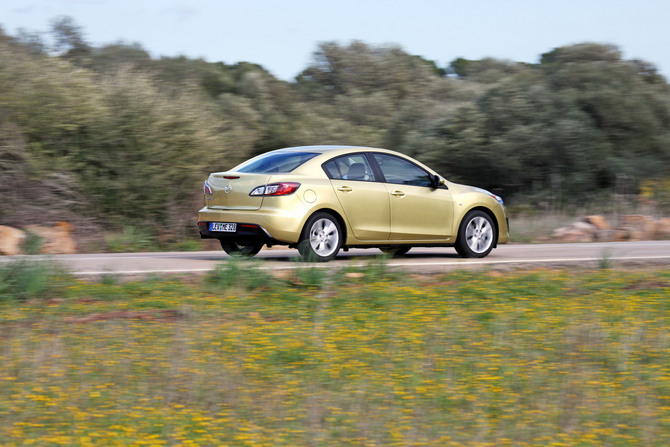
[109, 139]
[32, 243]
[27, 279]
[356, 357]
[130, 239]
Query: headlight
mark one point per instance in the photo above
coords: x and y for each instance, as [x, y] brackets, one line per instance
[498, 198]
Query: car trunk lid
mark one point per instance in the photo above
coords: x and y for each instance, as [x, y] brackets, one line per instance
[230, 191]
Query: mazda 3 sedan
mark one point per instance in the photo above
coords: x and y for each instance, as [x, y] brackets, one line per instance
[323, 199]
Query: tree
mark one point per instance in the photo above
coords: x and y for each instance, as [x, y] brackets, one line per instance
[583, 52]
[579, 120]
[626, 103]
[109, 58]
[365, 69]
[487, 70]
[68, 38]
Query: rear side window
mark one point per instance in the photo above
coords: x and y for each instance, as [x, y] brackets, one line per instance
[349, 167]
[273, 162]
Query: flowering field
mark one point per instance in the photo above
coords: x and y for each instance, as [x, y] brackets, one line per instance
[368, 358]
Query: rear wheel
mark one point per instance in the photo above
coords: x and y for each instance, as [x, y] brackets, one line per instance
[234, 249]
[321, 239]
[476, 235]
[398, 250]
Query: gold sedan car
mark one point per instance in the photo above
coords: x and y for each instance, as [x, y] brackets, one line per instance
[320, 199]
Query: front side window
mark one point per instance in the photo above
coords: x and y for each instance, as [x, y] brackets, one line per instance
[349, 167]
[402, 172]
[274, 162]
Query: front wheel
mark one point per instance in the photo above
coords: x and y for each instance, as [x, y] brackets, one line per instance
[321, 239]
[232, 248]
[476, 235]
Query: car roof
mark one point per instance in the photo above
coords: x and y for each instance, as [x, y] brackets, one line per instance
[328, 151]
[335, 150]
[324, 148]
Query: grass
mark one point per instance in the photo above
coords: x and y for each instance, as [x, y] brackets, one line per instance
[362, 357]
[26, 279]
[131, 239]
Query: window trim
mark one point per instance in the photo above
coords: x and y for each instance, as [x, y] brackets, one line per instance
[377, 172]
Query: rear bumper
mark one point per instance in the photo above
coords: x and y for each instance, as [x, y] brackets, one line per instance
[245, 233]
[269, 227]
[243, 229]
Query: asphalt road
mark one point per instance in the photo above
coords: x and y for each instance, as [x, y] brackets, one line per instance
[420, 260]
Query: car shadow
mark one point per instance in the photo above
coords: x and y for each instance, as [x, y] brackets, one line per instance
[342, 257]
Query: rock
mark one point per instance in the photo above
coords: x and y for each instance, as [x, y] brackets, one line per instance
[605, 236]
[584, 227]
[598, 221]
[638, 222]
[56, 240]
[637, 227]
[570, 234]
[621, 235]
[637, 235]
[633, 227]
[10, 240]
[577, 232]
[662, 228]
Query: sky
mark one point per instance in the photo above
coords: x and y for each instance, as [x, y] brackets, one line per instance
[282, 35]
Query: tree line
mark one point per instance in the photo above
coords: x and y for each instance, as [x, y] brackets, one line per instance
[109, 136]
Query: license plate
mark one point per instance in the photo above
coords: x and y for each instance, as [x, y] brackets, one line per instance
[223, 226]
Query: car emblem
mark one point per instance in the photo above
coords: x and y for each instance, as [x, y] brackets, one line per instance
[227, 189]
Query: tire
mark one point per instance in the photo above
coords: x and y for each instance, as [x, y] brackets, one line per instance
[476, 235]
[232, 248]
[460, 251]
[321, 238]
[395, 251]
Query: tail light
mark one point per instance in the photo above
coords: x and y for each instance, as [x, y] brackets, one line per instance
[207, 188]
[275, 189]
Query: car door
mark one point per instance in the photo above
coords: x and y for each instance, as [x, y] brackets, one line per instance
[365, 202]
[419, 211]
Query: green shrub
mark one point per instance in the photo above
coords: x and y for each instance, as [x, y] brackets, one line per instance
[131, 239]
[313, 277]
[375, 270]
[186, 245]
[32, 243]
[23, 280]
[238, 272]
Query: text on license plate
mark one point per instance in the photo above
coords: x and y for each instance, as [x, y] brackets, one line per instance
[223, 226]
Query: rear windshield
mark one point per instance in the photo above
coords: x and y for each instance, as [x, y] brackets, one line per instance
[275, 162]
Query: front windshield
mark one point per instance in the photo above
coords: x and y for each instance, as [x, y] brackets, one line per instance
[275, 162]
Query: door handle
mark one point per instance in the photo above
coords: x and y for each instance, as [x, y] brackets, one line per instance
[344, 189]
[398, 193]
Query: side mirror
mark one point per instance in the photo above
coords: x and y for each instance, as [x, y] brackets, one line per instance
[436, 181]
